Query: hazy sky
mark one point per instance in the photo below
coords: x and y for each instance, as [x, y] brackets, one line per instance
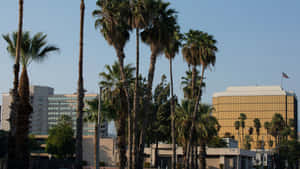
[257, 40]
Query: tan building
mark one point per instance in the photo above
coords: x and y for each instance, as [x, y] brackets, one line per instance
[260, 102]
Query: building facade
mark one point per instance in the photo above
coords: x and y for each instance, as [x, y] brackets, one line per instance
[66, 104]
[39, 116]
[260, 102]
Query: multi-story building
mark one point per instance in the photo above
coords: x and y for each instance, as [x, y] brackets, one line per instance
[260, 102]
[66, 104]
[39, 116]
[47, 109]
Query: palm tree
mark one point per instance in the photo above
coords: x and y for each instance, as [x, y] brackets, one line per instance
[114, 99]
[199, 49]
[267, 126]
[140, 16]
[170, 52]
[187, 84]
[277, 126]
[33, 48]
[237, 126]
[257, 127]
[15, 94]
[242, 119]
[80, 92]
[157, 36]
[207, 128]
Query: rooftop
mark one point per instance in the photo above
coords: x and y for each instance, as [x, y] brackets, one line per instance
[253, 91]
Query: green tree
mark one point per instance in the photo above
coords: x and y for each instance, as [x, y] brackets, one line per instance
[80, 92]
[60, 142]
[267, 126]
[33, 48]
[237, 126]
[112, 21]
[277, 126]
[157, 35]
[170, 52]
[141, 12]
[247, 143]
[199, 49]
[187, 81]
[115, 101]
[257, 126]
[242, 119]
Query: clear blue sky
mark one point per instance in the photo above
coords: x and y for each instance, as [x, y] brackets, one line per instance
[257, 41]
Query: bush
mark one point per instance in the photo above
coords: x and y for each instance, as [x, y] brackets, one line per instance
[147, 165]
[221, 166]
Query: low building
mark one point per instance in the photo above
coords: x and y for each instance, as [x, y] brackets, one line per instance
[229, 158]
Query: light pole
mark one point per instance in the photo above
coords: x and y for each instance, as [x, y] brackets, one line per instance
[97, 142]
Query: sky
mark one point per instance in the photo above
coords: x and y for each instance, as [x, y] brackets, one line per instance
[257, 41]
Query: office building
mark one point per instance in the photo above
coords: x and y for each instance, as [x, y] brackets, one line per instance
[260, 102]
[66, 104]
[39, 116]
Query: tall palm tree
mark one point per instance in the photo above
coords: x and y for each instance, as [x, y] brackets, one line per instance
[157, 36]
[112, 20]
[237, 126]
[115, 101]
[14, 93]
[80, 93]
[140, 16]
[257, 126]
[199, 49]
[32, 48]
[242, 119]
[277, 126]
[170, 52]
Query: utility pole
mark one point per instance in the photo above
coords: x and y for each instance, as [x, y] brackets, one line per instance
[98, 130]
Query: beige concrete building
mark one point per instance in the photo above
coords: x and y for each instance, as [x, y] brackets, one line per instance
[260, 102]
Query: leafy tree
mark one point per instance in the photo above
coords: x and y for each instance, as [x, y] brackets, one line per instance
[32, 48]
[242, 119]
[112, 21]
[187, 81]
[237, 126]
[199, 50]
[247, 143]
[277, 126]
[157, 35]
[60, 142]
[115, 102]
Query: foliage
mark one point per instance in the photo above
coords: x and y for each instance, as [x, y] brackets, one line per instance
[60, 142]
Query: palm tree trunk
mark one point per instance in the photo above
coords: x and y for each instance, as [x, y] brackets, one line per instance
[202, 156]
[23, 121]
[197, 157]
[121, 141]
[173, 119]
[147, 104]
[194, 73]
[15, 95]
[196, 107]
[80, 93]
[192, 157]
[156, 154]
[132, 156]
